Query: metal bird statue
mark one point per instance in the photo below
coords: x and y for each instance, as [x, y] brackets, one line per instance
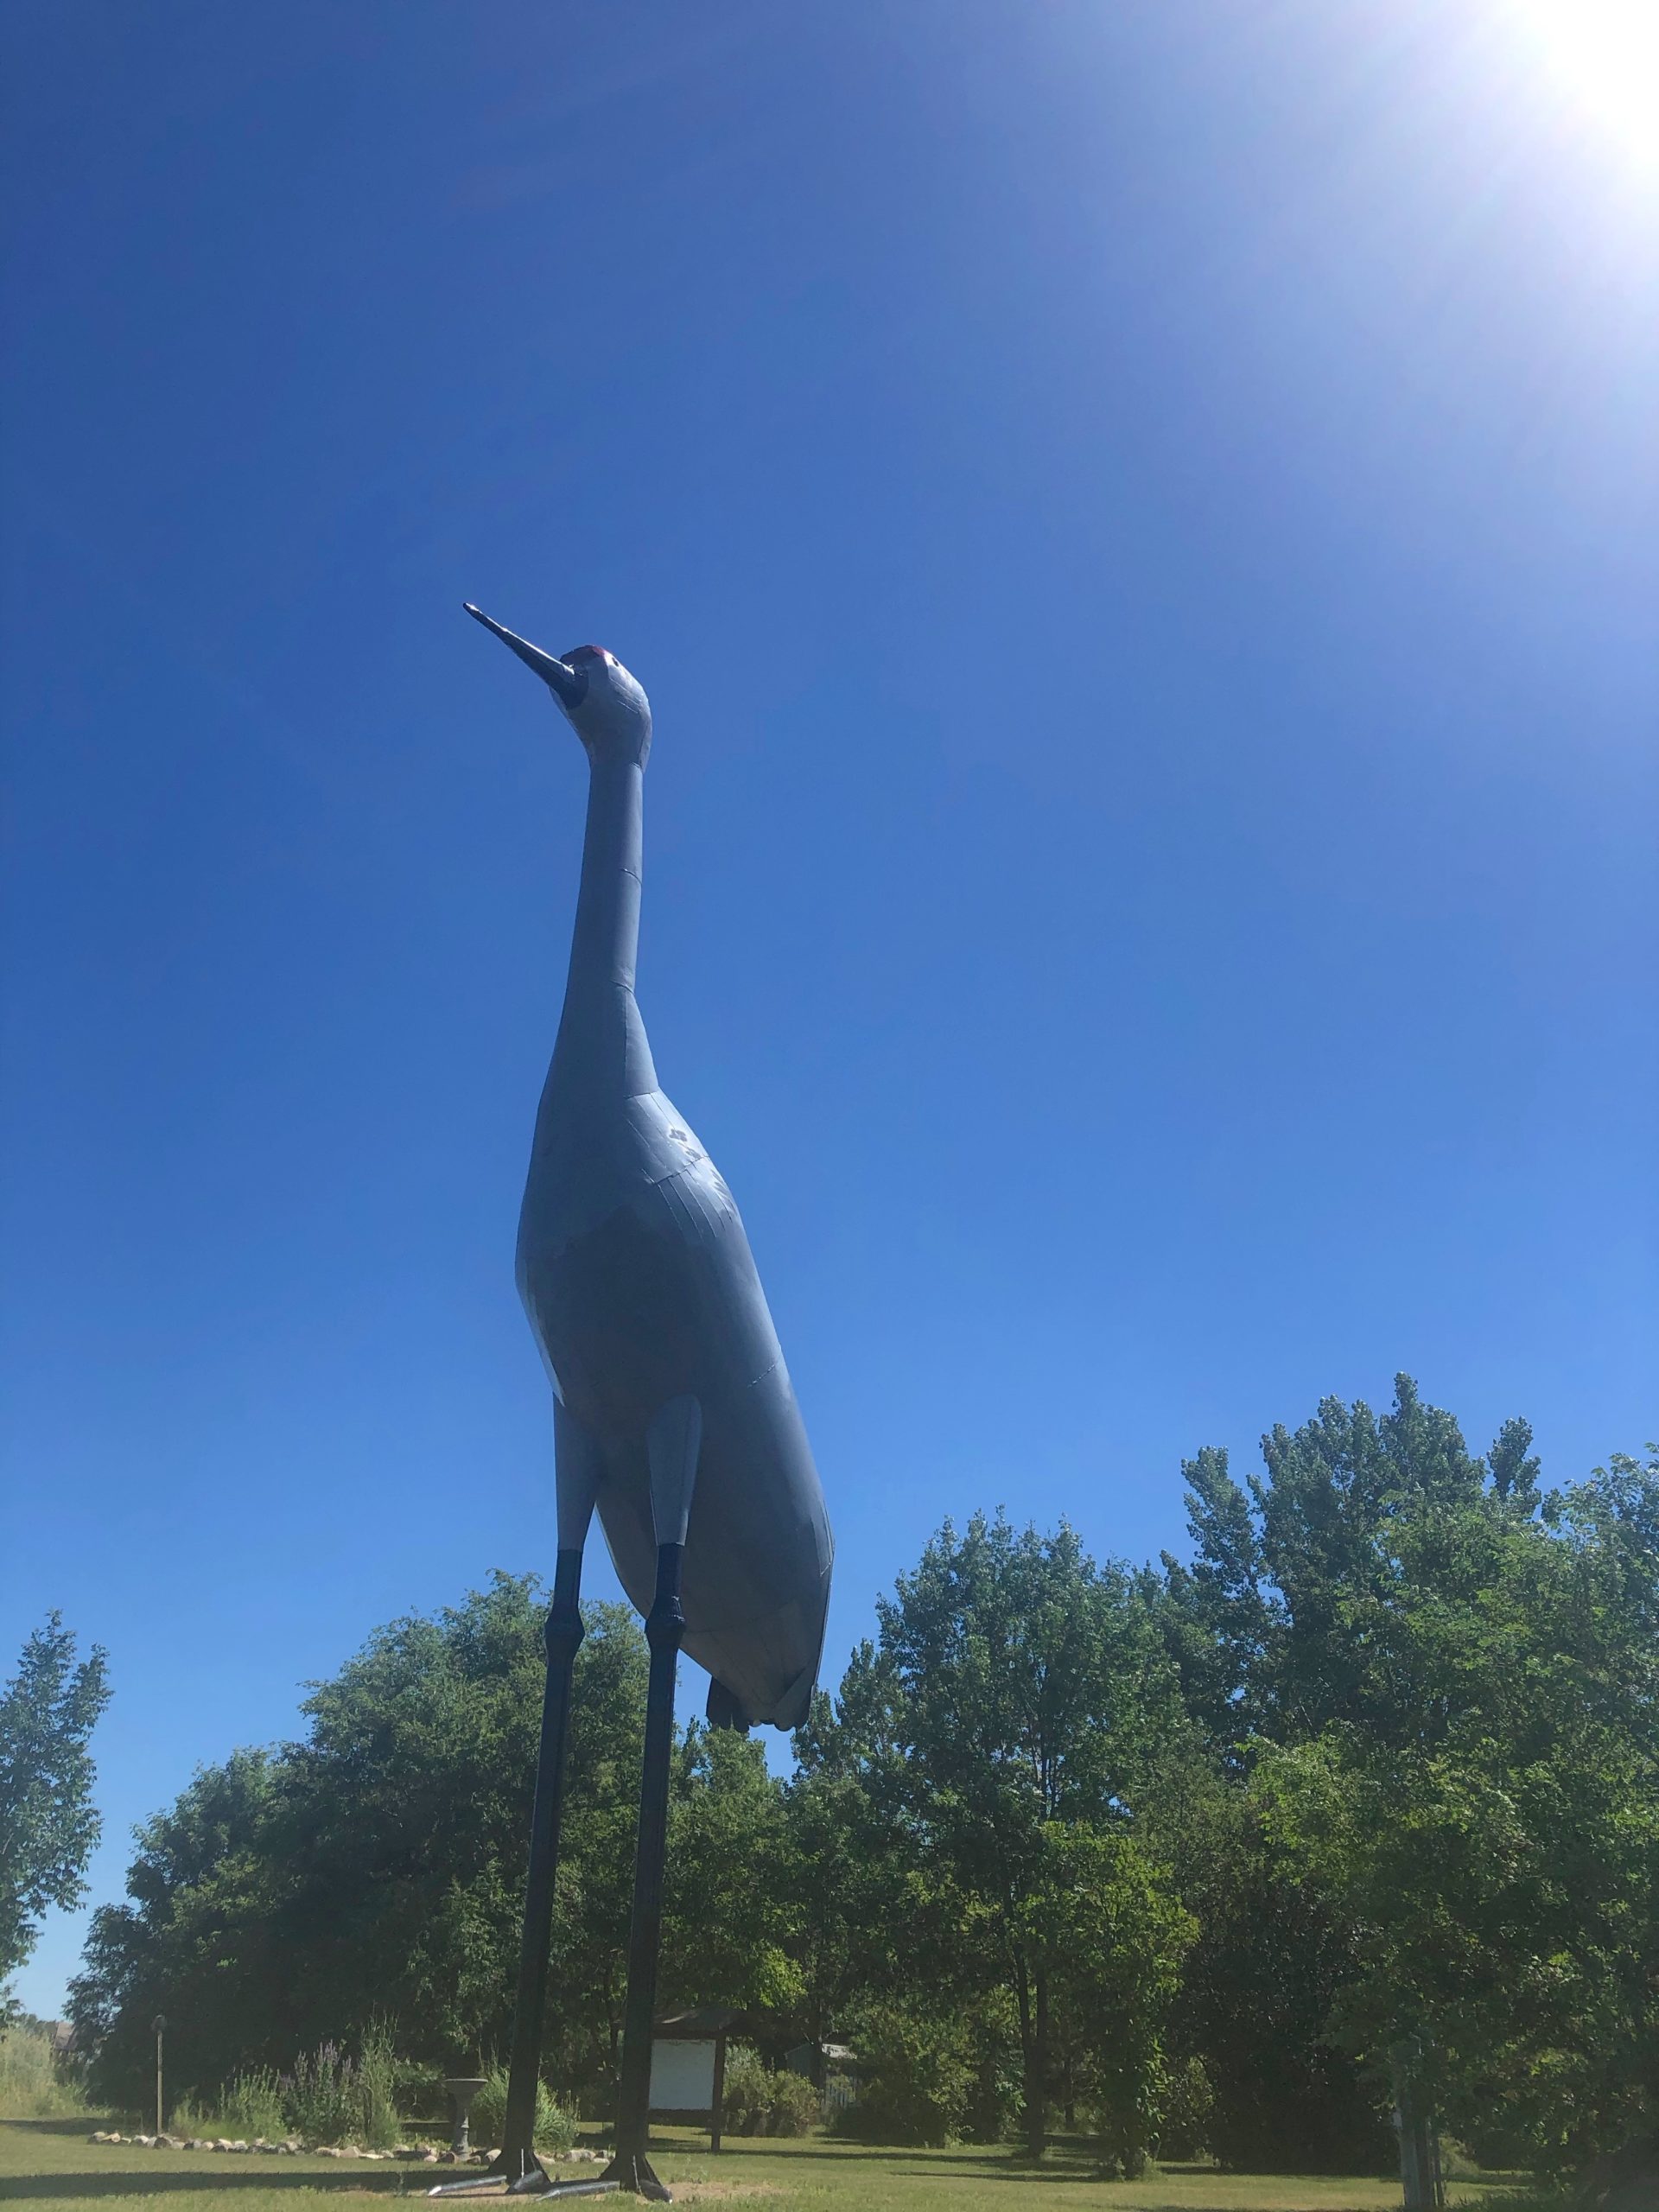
[673, 1413]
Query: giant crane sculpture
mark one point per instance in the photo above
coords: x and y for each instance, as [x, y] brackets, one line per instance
[673, 1415]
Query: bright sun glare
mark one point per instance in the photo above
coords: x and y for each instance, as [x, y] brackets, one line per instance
[1605, 54]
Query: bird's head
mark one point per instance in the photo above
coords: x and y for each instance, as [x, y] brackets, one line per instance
[605, 706]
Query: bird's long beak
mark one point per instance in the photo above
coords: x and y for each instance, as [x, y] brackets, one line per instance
[567, 685]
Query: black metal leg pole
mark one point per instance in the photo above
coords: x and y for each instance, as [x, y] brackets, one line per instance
[579, 1471]
[517, 2163]
[563, 1634]
[665, 1627]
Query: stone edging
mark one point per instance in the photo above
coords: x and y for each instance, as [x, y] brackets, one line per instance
[424, 2154]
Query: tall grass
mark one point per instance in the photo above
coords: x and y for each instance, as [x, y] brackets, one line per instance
[331, 2099]
[554, 2128]
[252, 2104]
[328, 2097]
[33, 2085]
[189, 2117]
[377, 2089]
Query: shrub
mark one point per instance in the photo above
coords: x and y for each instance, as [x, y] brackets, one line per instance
[421, 2095]
[743, 2095]
[322, 2094]
[1123, 2154]
[917, 2080]
[755, 2101]
[797, 2107]
[993, 2050]
[328, 2098]
[1184, 2112]
[555, 2130]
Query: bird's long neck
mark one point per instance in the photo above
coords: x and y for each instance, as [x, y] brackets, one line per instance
[601, 1046]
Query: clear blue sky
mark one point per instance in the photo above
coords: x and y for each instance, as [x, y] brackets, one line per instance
[1138, 520]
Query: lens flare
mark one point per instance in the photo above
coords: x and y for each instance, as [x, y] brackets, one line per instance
[1603, 55]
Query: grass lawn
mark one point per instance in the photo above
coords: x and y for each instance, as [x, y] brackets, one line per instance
[51, 2162]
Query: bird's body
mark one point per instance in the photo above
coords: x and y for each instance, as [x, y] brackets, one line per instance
[653, 1297]
[637, 1275]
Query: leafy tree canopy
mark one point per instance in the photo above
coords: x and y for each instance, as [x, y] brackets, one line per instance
[48, 1825]
[1187, 1847]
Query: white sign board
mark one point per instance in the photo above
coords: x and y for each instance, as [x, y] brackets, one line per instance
[682, 2074]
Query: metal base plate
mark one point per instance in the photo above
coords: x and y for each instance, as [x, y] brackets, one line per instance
[633, 2172]
[536, 2184]
[533, 2179]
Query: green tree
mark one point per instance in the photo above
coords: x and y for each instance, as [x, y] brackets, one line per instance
[866, 1918]
[917, 2069]
[1260, 1985]
[49, 1824]
[1216, 1617]
[1110, 1935]
[1498, 1850]
[195, 1939]
[1379, 1761]
[1015, 1684]
[1285, 1625]
[376, 1867]
[732, 1898]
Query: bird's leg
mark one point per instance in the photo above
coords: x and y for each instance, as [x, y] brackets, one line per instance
[672, 1444]
[579, 1469]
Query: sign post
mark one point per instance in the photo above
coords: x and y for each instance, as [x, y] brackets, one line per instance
[688, 2066]
[160, 2025]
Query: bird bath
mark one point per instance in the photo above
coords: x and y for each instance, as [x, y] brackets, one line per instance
[462, 2089]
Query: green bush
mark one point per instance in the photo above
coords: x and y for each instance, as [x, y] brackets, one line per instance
[918, 2080]
[1123, 2154]
[1184, 2112]
[322, 2096]
[755, 2101]
[992, 2049]
[421, 2096]
[555, 2128]
[797, 2107]
[330, 2099]
[743, 2096]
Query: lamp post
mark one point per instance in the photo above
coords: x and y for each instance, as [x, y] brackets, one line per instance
[159, 2023]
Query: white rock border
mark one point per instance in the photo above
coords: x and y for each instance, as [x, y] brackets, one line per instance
[291, 2147]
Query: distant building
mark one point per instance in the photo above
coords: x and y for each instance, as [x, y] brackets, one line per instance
[833, 2070]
